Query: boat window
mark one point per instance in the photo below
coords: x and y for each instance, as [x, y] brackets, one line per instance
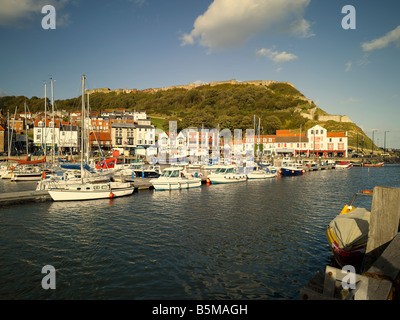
[175, 173]
[165, 173]
[230, 170]
[104, 187]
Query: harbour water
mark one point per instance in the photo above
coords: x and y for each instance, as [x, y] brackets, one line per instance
[258, 240]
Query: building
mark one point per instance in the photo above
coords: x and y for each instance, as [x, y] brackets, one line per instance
[100, 140]
[123, 135]
[64, 135]
[327, 144]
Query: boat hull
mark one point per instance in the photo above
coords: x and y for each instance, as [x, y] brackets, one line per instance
[374, 165]
[104, 191]
[291, 172]
[342, 256]
[227, 179]
[255, 176]
[26, 177]
[171, 184]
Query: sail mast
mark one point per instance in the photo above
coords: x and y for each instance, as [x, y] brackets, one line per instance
[83, 125]
[54, 125]
[26, 129]
[45, 118]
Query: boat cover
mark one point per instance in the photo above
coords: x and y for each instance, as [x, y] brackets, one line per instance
[351, 229]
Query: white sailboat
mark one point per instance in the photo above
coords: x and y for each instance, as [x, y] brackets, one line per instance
[89, 191]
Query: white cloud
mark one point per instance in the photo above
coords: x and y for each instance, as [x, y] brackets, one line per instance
[16, 13]
[230, 23]
[275, 56]
[348, 66]
[383, 42]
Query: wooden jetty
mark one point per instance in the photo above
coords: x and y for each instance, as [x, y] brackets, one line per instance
[380, 277]
[24, 196]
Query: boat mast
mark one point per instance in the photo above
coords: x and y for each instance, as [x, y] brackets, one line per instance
[88, 130]
[54, 125]
[8, 134]
[45, 118]
[26, 129]
[83, 125]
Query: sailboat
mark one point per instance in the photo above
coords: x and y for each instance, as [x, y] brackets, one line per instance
[88, 190]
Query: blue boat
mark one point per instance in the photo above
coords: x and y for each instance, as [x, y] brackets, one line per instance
[294, 169]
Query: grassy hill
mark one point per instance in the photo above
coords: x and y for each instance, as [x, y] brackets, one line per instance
[231, 106]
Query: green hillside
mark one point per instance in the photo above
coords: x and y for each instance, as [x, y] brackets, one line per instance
[231, 106]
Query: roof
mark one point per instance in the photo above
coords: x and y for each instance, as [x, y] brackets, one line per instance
[336, 135]
[101, 136]
[123, 125]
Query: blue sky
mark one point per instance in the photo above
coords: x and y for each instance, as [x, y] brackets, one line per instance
[155, 43]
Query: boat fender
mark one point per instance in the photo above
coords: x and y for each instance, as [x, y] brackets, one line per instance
[43, 174]
[111, 195]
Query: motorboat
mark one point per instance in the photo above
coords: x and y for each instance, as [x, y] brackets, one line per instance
[174, 178]
[343, 165]
[145, 171]
[292, 169]
[227, 174]
[260, 173]
[347, 233]
[91, 191]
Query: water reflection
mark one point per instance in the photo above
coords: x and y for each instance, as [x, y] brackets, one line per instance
[250, 240]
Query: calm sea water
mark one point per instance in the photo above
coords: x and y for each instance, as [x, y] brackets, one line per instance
[251, 240]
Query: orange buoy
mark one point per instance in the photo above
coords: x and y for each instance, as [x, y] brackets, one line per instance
[367, 191]
[111, 195]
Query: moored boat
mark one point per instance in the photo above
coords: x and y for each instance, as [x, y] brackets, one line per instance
[259, 173]
[91, 191]
[227, 174]
[343, 165]
[376, 164]
[293, 169]
[173, 178]
[347, 234]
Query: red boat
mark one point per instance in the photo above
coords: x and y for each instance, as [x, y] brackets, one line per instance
[380, 164]
[343, 165]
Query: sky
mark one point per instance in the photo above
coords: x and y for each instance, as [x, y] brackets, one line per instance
[346, 61]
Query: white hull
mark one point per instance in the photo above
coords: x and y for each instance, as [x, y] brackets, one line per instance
[6, 175]
[25, 177]
[343, 166]
[91, 192]
[215, 179]
[175, 183]
[264, 175]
